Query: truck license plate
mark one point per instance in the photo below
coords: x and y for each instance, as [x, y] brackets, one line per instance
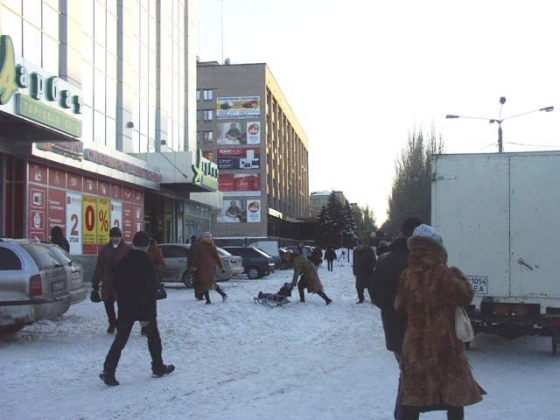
[479, 284]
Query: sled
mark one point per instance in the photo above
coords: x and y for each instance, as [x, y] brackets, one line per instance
[275, 299]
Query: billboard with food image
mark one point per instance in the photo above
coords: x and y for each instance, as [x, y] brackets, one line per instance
[239, 133]
[240, 184]
[238, 107]
[240, 211]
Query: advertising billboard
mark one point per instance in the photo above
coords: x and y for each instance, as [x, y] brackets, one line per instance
[238, 107]
[238, 158]
[239, 133]
[240, 211]
[240, 184]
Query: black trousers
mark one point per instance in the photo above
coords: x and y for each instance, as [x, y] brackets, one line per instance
[110, 310]
[413, 413]
[330, 265]
[360, 291]
[301, 289]
[123, 332]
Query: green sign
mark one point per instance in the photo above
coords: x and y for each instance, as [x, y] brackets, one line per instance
[37, 111]
[38, 91]
[205, 172]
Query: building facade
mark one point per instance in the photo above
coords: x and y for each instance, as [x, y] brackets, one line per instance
[98, 116]
[320, 199]
[246, 126]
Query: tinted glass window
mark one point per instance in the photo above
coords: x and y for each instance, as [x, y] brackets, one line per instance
[173, 251]
[9, 260]
[60, 255]
[223, 252]
[43, 258]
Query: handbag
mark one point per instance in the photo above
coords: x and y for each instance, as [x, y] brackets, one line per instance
[463, 326]
[161, 293]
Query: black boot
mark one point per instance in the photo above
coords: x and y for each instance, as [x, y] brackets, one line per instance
[325, 297]
[207, 297]
[109, 378]
[222, 293]
[162, 370]
[301, 294]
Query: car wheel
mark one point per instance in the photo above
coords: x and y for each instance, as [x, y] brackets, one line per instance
[188, 279]
[253, 273]
[11, 329]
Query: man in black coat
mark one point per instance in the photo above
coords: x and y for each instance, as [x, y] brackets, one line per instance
[135, 282]
[363, 264]
[388, 270]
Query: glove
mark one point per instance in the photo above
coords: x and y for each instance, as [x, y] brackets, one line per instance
[94, 297]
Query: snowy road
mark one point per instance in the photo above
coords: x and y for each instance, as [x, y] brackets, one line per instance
[243, 361]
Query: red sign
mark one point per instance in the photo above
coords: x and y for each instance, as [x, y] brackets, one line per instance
[37, 173]
[90, 185]
[37, 218]
[127, 222]
[240, 184]
[75, 182]
[116, 192]
[104, 189]
[57, 178]
[127, 194]
[56, 209]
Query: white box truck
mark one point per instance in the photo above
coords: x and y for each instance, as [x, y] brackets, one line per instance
[499, 215]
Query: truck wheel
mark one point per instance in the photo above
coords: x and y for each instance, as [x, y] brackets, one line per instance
[253, 273]
[188, 279]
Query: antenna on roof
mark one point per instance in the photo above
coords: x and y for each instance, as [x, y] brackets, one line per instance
[222, 31]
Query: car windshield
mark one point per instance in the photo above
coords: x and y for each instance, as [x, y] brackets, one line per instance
[223, 252]
[260, 251]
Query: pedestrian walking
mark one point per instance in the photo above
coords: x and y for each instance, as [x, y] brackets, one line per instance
[57, 238]
[330, 256]
[204, 264]
[309, 278]
[363, 264]
[156, 256]
[107, 259]
[317, 255]
[193, 241]
[390, 265]
[435, 373]
[135, 281]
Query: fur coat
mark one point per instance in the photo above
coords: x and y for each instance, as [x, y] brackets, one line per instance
[204, 262]
[304, 266]
[434, 368]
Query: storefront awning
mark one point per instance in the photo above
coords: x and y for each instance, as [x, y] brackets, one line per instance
[21, 130]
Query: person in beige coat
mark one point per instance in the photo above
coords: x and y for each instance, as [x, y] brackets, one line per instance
[435, 373]
[309, 278]
[204, 262]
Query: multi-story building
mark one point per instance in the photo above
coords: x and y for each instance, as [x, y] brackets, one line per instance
[319, 199]
[98, 117]
[246, 126]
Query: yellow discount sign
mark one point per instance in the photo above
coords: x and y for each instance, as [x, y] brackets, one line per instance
[103, 218]
[89, 220]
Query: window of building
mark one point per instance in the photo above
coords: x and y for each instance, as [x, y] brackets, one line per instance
[208, 135]
[208, 114]
[198, 95]
[207, 95]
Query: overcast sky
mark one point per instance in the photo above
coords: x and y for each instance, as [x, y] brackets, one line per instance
[362, 75]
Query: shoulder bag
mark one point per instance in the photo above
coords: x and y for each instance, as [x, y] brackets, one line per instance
[463, 326]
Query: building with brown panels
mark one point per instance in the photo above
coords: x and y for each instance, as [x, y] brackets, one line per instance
[247, 127]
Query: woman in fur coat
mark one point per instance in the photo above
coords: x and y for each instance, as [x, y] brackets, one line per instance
[204, 262]
[435, 373]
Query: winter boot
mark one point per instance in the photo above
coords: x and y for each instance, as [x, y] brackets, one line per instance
[112, 328]
[222, 293]
[109, 378]
[325, 297]
[207, 297]
[162, 370]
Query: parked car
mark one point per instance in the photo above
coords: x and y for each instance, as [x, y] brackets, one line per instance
[176, 256]
[33, 284]
[256, 263]
[74, 273]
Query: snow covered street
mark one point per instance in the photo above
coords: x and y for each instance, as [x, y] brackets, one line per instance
[243, 361]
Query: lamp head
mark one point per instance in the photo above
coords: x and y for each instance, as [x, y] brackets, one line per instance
[451, 116]
[503, 100]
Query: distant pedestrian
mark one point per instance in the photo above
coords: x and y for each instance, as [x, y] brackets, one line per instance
[317, 256]
[363, 264]
[435, 373]
[390, 265]
[57, 238]
[204, 264]
[135, 281]
[190, 256]
[309, 278]
[107, 259]
[330, 256]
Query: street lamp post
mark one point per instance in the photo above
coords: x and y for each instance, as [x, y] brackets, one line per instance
[499, 120]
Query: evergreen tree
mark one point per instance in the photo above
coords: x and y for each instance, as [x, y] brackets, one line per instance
[411, 191]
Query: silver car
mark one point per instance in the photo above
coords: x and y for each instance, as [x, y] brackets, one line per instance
[176, 256]
[33, 285]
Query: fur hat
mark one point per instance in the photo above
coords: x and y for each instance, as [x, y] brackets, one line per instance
[115, 232]
[207, 235]
[141, 239]
[359, 241]
[427, 231]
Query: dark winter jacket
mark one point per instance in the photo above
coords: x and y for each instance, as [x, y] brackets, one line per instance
[62, 242]
[389, 268]
[107, 259]
[204, 262]
[135, 281]
[363, 264]
[330, 255]
[434, 368]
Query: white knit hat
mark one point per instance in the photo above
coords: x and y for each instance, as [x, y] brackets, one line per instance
[427, 231]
